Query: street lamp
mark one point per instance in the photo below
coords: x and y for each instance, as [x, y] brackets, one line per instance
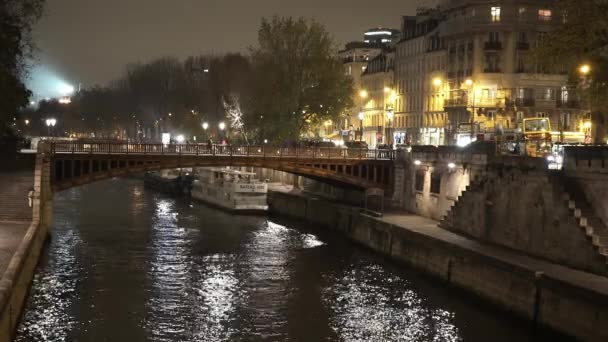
[390, 114]
[437, 81]
[361, 117]
[584, 69]
[50, 123]
[469, 83]
[222, 127]
[363, 94]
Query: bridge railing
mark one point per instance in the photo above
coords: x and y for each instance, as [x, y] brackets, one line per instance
[222, 150]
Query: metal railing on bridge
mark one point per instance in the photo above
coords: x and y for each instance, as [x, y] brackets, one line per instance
[223, 150]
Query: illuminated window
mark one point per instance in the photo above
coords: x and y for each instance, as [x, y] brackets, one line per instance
[495, 13]
[522, 11]
[544, 15]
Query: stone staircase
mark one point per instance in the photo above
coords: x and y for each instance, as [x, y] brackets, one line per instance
[14, 188]
[448, 219]
[590, 224]
[570, 201]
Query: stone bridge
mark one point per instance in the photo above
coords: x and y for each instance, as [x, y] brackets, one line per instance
[73, 164]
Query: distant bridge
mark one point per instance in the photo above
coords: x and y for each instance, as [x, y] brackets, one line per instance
[73, 164]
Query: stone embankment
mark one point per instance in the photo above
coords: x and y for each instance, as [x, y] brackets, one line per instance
[26, 208]
[547, 294]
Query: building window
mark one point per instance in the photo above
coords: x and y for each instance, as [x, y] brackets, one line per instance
[521, 64]
[493, 37]
[522, 12]
[495, 13]
[492, 63]
[419, 181]
[435, 183]
[522, 37]
[544, 15]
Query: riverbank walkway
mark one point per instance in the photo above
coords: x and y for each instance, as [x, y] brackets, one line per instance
[424, 226]
[15, 212]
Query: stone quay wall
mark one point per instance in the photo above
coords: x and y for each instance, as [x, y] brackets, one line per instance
[516, 287]
[16, 280]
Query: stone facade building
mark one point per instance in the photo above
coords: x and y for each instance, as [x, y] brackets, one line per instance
[469, 64]
[377, 99]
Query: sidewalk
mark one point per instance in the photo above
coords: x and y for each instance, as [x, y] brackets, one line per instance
[430, 228]
[15, 213]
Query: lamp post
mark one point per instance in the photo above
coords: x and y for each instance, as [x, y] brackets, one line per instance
[205, 126]
[50, 123]
[390, 114]
[361, 117]
[584, 70]
[362, 96]
[471, 89]
[222, 127]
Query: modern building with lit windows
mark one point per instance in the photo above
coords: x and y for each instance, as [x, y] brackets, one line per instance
[355, 58]
[381, 36]
[468, 65]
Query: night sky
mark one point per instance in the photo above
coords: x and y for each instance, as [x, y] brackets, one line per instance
[90, 41]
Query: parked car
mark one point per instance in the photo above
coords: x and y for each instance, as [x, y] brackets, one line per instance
[356, 144]
[356, 149]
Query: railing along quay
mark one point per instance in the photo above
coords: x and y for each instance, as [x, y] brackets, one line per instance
[223, 150]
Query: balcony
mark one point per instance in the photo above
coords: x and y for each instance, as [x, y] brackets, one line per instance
[523, 46]
[525, 102]
[574, 104]
[459, 102]
[493, 46]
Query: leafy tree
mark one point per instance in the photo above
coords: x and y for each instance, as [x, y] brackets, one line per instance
[582, 38]
[299, 82]
[16, 47]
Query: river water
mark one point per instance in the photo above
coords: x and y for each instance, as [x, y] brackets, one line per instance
[129, 264]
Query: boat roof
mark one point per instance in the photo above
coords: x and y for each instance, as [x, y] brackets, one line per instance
[231, 171]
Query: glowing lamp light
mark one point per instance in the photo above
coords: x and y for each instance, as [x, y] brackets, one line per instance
[65, 100]
[437, 81]
[361, 116]
[222, 126]
[363, 94]
[584, 69]
[205, 126]
[27, 122]
[417, 162]
[51, 122]
[587, 125]
[180, 138]
[451, 165]
[468, 82]
[265, 141]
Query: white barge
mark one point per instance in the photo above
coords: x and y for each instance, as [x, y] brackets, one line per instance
[230, 189]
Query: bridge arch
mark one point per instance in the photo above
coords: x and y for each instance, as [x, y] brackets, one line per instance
[74, 164]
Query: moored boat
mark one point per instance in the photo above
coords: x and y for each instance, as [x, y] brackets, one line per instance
[230, 189]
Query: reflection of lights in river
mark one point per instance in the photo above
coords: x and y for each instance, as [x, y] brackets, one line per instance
[365, 309]
[169, 273]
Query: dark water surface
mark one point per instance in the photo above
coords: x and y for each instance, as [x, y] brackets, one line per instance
[129, 264]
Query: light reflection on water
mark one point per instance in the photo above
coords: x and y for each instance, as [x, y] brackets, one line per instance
[129, 264]
[365, 309]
